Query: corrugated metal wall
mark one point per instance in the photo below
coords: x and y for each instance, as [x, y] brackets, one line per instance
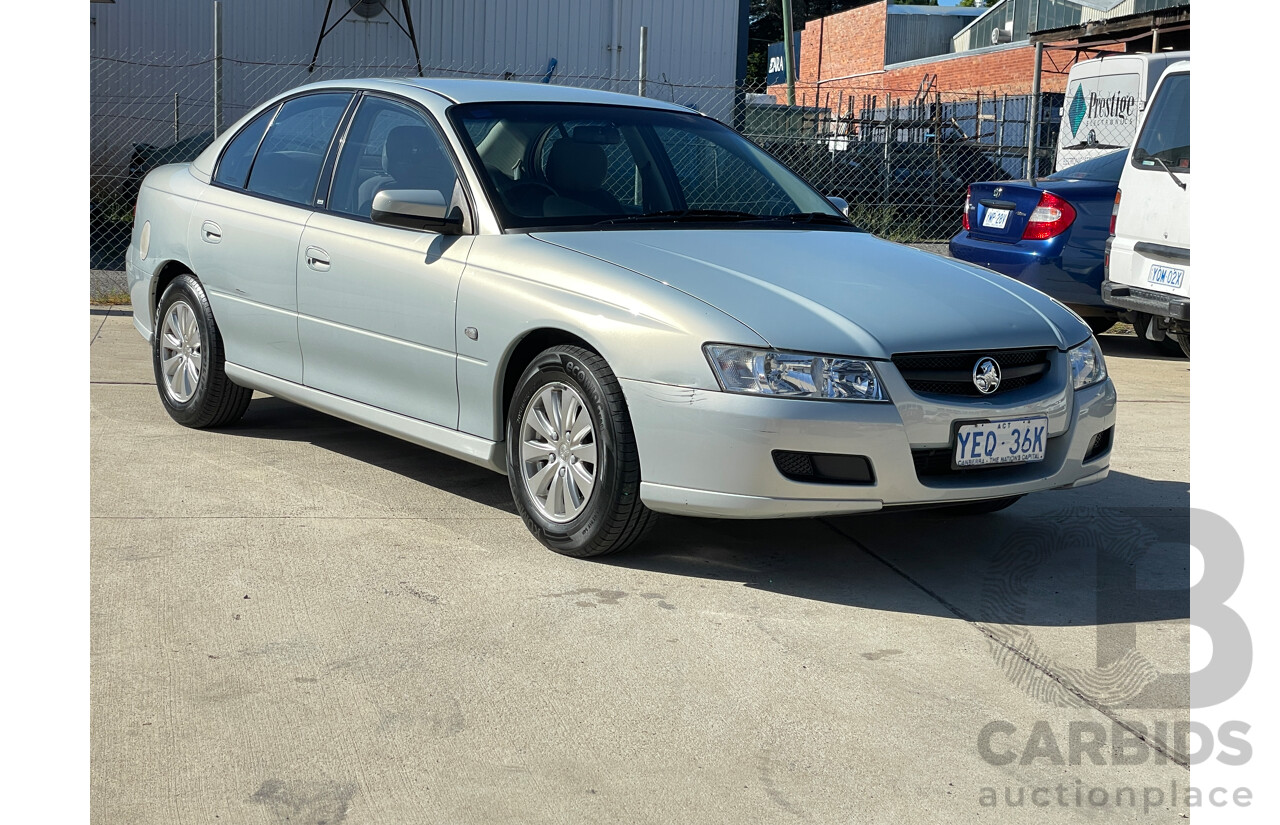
[143, 52]
[917, 36]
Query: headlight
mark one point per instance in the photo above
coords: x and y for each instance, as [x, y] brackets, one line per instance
[1087, 366]
[793, 374]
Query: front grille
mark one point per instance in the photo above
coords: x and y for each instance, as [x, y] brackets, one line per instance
[951, 373]
[824, 468]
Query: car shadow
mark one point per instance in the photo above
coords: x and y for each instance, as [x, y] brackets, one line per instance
[1128, 345]
[276, 419]
[1114, 552]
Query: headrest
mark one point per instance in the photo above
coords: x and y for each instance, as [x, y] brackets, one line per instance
[575, 166]
[410, 152]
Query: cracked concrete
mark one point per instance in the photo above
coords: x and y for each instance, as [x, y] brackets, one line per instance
[294, 619]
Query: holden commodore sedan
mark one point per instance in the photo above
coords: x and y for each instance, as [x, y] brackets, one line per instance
[621, 304]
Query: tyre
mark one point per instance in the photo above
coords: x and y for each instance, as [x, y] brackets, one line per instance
[1184, 342]
[1167, 346]
[572, 459]
[979, 508]
[187, 355]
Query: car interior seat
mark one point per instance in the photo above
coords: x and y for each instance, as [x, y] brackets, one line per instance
[411, 159]
[577, 171]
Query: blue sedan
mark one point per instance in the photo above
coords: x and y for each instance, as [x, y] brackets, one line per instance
[1051, 236]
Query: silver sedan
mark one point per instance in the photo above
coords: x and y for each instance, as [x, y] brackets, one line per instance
[623, 305]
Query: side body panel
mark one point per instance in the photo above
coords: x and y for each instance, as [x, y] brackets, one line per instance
[166, 200]
[376, 312]
[515, 285]
[250, 275]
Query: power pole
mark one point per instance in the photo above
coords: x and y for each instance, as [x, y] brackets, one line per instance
[788, 51]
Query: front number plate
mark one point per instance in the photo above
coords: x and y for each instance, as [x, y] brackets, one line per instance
[996, 218]
[1001, 442]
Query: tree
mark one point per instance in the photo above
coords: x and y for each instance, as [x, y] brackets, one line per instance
[981, 4]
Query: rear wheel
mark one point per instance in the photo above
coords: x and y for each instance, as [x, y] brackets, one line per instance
[572, 459]
[187, 357]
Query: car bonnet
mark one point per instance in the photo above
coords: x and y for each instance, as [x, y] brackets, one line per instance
[837, 292]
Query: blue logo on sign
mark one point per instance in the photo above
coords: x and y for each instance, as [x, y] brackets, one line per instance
[1077, 111]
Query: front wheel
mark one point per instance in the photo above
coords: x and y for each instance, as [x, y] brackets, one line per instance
[187, 356]
[572, 459]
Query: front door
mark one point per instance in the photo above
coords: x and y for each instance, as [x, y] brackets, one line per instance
[376, 303]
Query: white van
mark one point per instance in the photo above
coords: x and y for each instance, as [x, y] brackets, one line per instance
[1148, 262]
[1105, 98]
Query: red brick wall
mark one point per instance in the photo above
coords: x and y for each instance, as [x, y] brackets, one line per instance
[853, 43]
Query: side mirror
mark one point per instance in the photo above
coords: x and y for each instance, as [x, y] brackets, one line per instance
[416, 209]
[839, 203]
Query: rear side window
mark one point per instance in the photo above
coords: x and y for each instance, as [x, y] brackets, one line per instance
[233, 170]
[1166, 133]
[288, 163]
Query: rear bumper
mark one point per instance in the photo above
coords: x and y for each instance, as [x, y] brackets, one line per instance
[1069, 273]
[1160, 304]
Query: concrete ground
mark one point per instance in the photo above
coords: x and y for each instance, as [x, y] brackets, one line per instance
[297, 620]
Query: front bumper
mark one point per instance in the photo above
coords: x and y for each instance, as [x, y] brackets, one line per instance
[708, 453]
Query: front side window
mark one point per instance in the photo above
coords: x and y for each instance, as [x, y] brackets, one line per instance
[388, 146]
[571, 164]
[288, 162]
[1166, 132]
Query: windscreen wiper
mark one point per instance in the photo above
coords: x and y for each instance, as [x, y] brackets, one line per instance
[1142, 154]
[1084, 144]
[677, 215]
[810, 217]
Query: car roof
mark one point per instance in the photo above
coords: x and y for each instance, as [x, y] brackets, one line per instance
[474, 90]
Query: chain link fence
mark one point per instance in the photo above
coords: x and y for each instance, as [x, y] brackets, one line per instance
[902, 160]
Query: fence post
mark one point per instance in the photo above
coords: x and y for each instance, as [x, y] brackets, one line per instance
[217, 68]
[1033, 117]
[644, 57]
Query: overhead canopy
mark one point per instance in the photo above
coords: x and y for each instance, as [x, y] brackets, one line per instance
[1126, 29]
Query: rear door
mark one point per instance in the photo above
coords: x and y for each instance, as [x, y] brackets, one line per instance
[244, 234]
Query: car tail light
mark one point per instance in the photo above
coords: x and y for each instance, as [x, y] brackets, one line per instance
[1051, 218]
[964, 219]
[1115, 210]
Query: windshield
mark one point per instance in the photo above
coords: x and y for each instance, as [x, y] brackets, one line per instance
[560, 165]
[1165, 142]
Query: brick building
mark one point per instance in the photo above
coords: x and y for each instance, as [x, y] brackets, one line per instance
[882, 48]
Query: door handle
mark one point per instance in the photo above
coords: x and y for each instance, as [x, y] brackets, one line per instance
[210, 232]
[317, 259]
